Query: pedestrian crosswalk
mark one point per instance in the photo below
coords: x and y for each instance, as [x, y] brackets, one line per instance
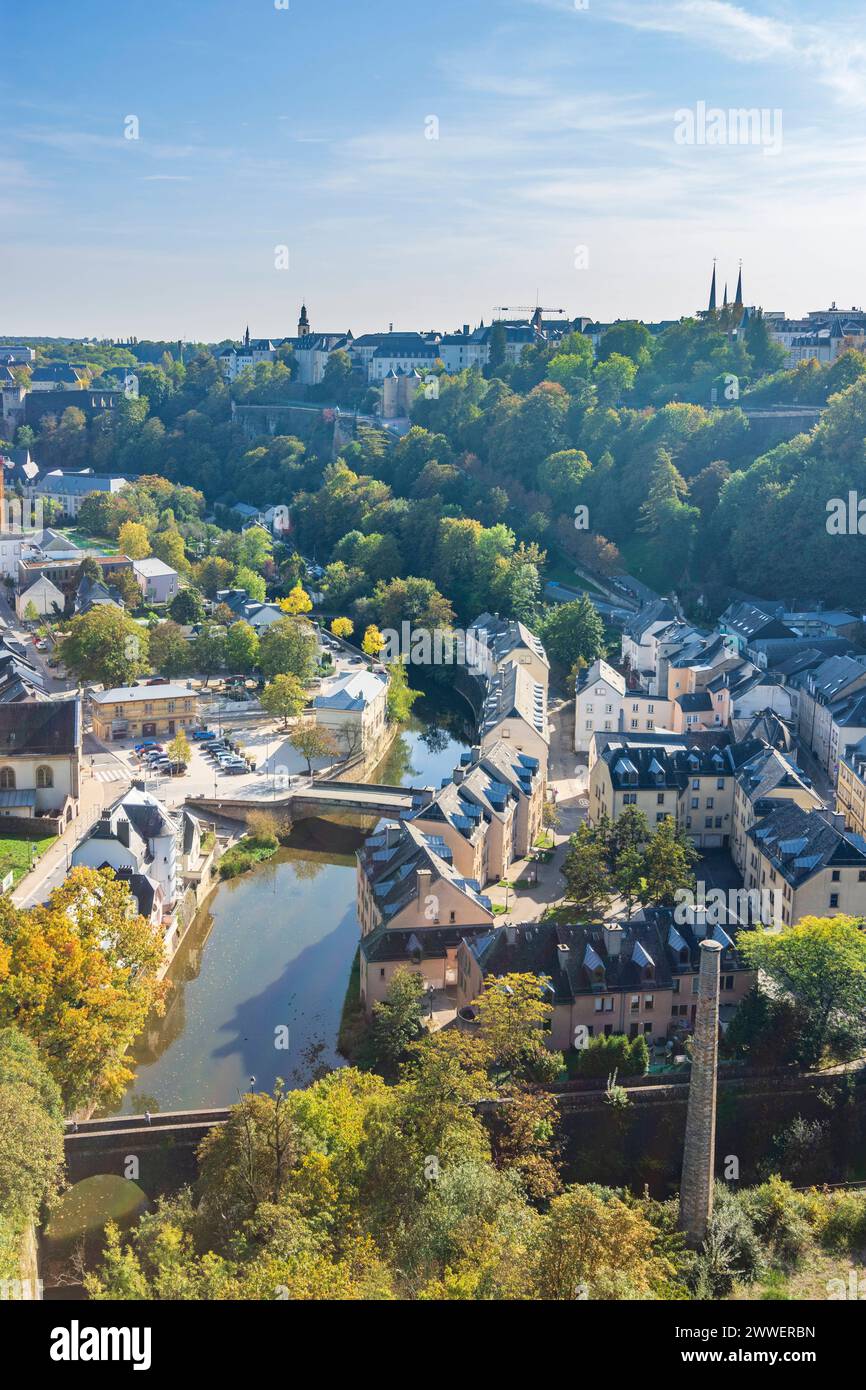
[110, 774]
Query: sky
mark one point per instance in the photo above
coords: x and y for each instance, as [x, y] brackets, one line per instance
[421, 163]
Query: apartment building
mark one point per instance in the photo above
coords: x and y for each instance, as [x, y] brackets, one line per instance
[822, 693]
[767, 778]
[490, 813]
[640, 640]
[693, 785]
[408, 879]
[817, 867]
[602, 702]
[515, 708]
[851, 787]
[143, 711]
[501, 642]
[137, 834]
[635, 978]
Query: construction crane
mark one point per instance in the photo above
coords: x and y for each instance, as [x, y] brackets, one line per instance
[525, 309]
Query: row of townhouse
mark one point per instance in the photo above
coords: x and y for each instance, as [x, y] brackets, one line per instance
[638, 978]
[689, 779]
[420, 885]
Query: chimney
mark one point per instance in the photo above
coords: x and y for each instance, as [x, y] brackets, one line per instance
[425, 878]
[511, 934]
[457, 775]
[699, 1156]
[613, 936]
[475, 752]
[123, 831]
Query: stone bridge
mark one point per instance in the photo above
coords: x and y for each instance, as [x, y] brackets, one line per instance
[362, 798]
[160, 1156]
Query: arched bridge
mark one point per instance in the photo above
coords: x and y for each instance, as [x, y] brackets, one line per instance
[317, 799]
[159, 1154]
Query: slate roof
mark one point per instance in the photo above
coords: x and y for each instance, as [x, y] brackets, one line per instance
[392, 860]
[801, 843]
[44, 727]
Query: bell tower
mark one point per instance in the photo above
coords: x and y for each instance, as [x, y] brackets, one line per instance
[303, 323]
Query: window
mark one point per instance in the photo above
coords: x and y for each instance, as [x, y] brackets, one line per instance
[648, 1001]
[7, 778]
[710, 803]
[44, 777]
[452, 916]
[660, 799]
[718, 822]
[834, 899]
[727, 982]
[696, 801]
[635, 1003]
[720, 784]
[696, 784]
[834, 876]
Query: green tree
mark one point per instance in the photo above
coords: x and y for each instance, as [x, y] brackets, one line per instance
[31, 1125]
[396, 1022]
[209, 651]
[313, 742]
[213, 574]
[288, 648]
[586, 873]
[170, 652]
[187, 607]
[819, 965]
[513, 1011]
[573, 631]
[668, 864]
[628, 877]
[105, 646]
[242, 648]
[284, 697]
[400, 697]
[169, 547]
[254, 584]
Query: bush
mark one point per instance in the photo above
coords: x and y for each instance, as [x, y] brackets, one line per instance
[781, 1218]
[842, 1221]
[604, 1055]
[250, 850]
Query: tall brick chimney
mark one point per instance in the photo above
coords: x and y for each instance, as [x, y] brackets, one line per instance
[696, 1187]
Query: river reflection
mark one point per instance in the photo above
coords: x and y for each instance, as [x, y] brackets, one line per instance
[268, 961]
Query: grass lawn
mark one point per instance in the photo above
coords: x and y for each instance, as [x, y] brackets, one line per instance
[100, 544]
[16, 854]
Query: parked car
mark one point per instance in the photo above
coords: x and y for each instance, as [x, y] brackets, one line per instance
[177, 769]
[234, 769]
[148, 743]
[203, 735]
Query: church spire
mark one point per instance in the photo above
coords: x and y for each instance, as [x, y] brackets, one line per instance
[247, 336]
[303, 323]
[739, 298]
[725, 302]
[712, 304]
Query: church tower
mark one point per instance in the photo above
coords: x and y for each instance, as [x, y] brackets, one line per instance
[712, 305]
[303, 323]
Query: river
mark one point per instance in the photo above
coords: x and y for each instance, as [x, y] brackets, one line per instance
[257, 988]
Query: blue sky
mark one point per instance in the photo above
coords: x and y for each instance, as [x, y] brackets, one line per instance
[261, 127]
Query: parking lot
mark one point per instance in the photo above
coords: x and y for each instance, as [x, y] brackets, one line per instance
[266, 746]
